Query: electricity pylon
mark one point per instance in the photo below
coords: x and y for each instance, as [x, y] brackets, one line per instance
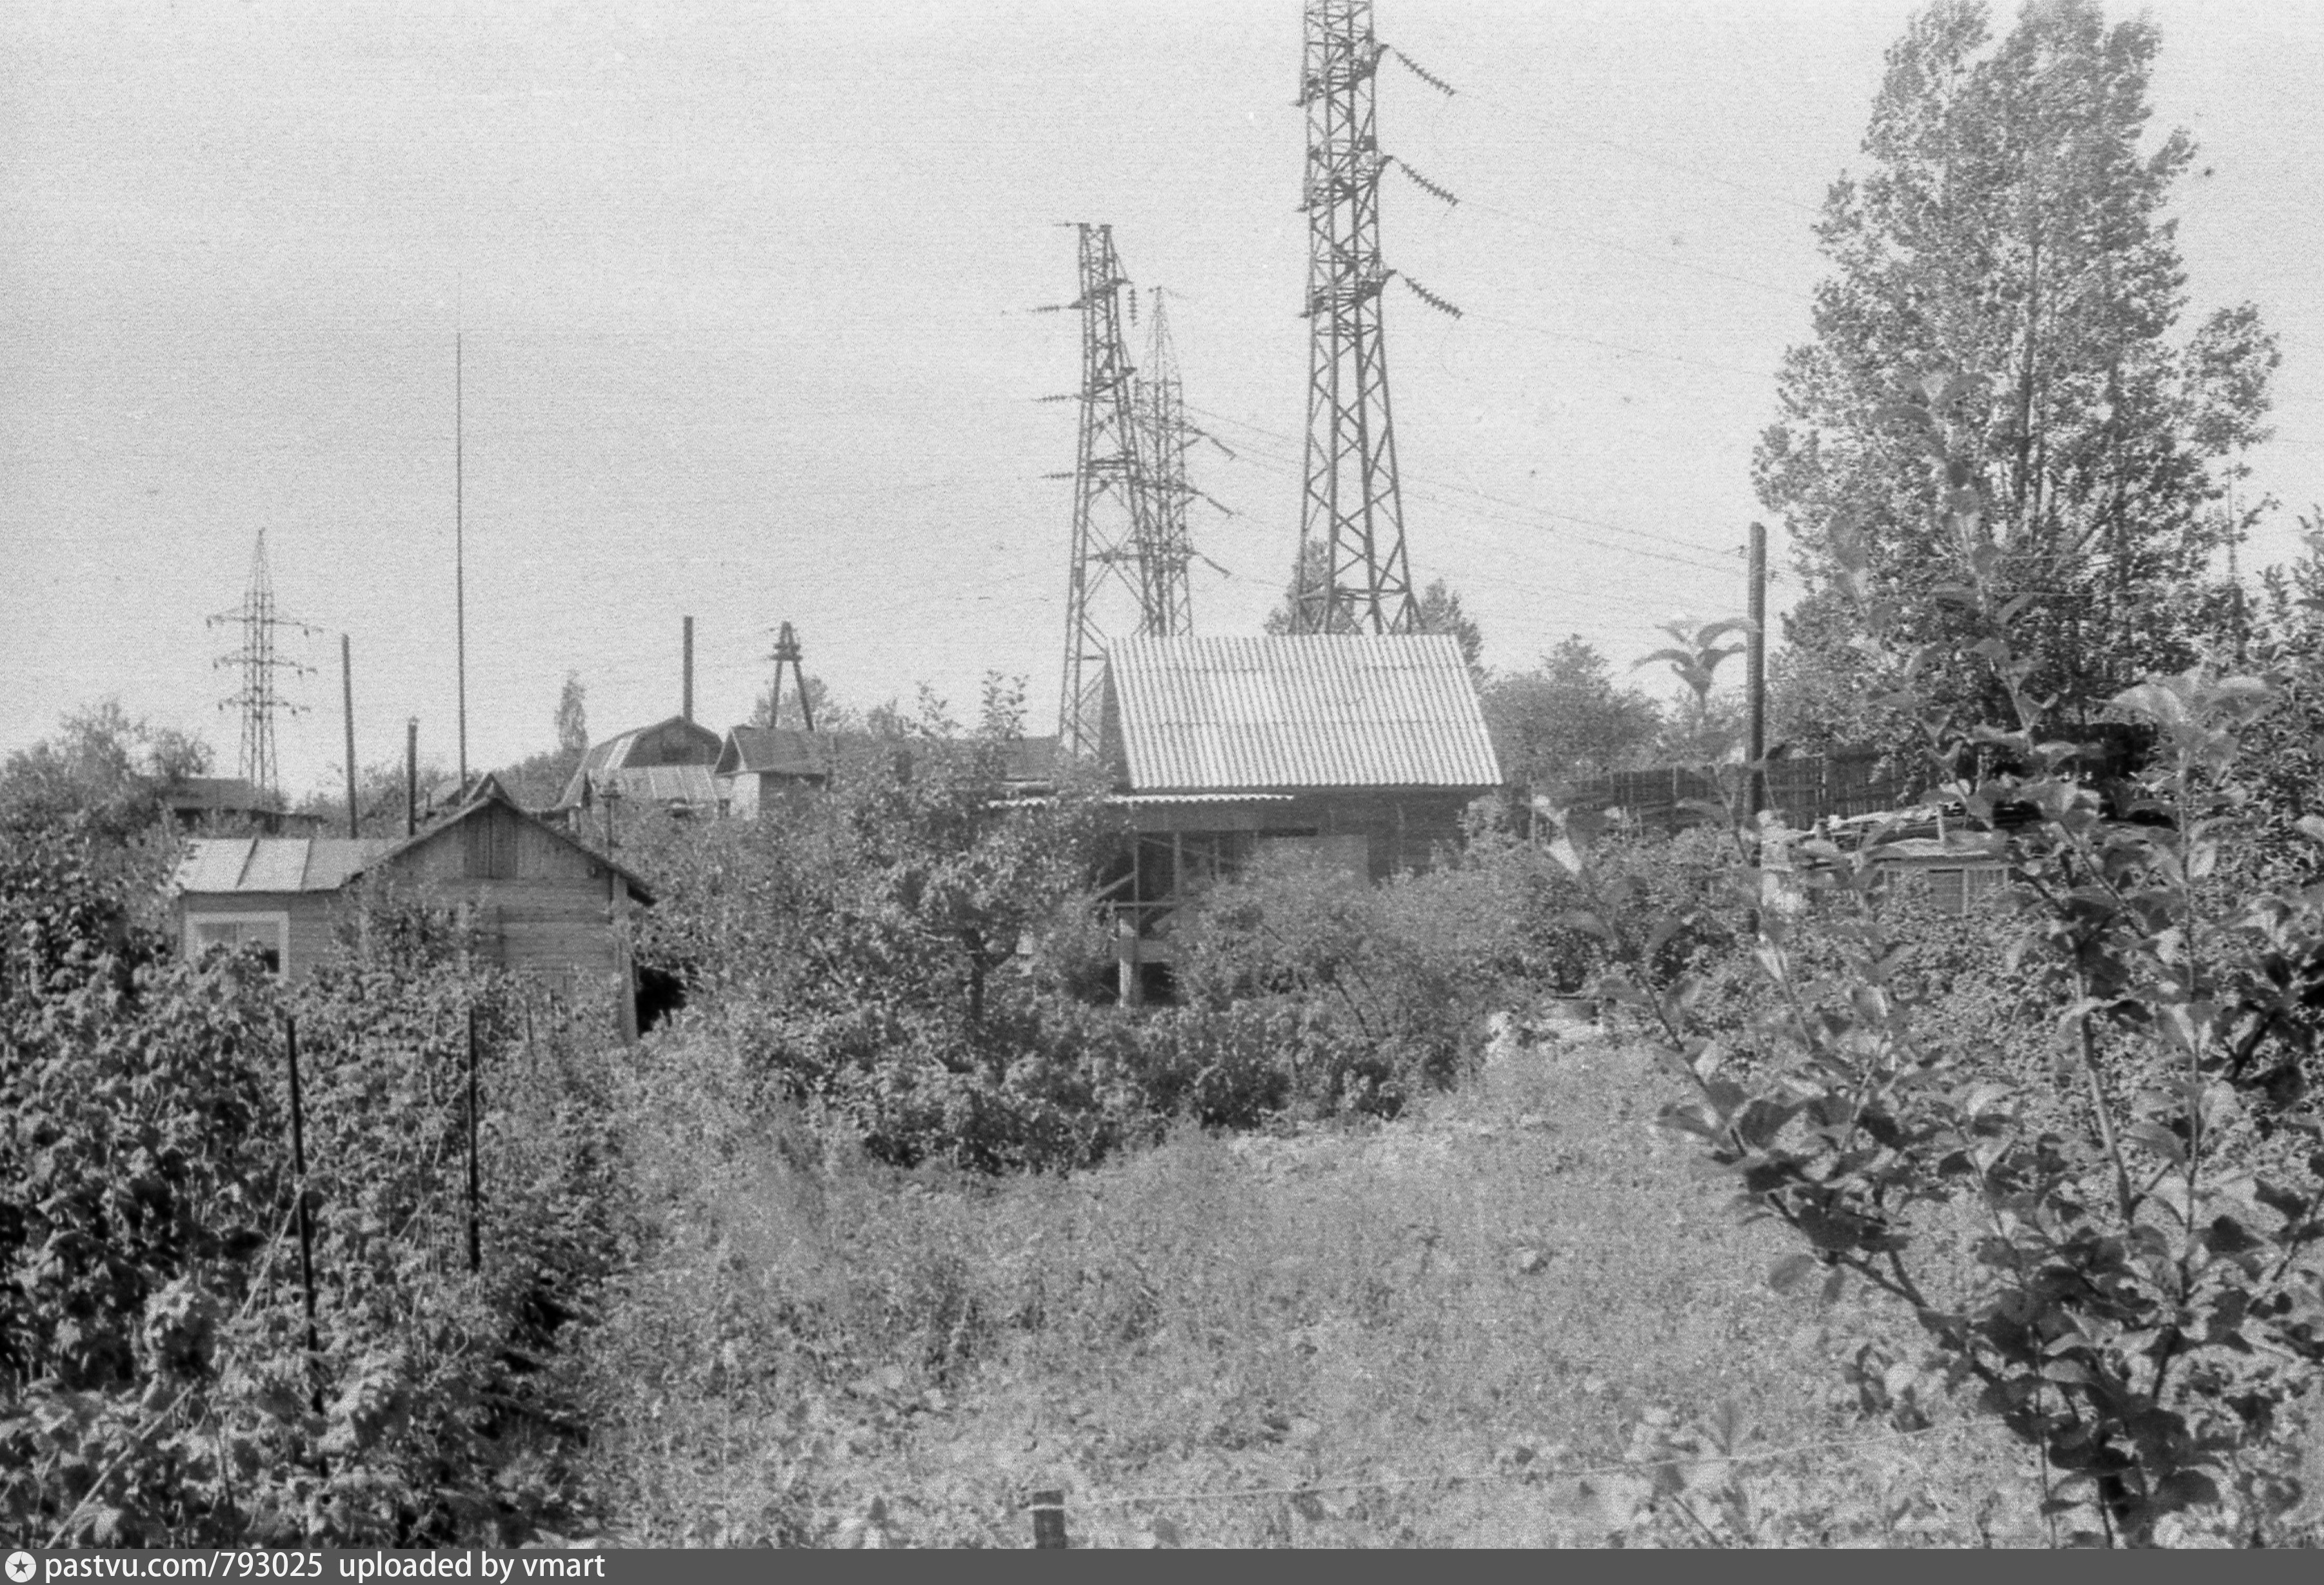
[1352, 507]
[1116, 541]
[257, 661]
[1167, 437]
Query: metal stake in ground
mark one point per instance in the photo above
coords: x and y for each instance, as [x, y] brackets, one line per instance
[1049, 1520]
[475, 1236]
[306, 1227]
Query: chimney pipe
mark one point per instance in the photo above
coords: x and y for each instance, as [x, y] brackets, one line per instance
[690, 668]
[411, 776]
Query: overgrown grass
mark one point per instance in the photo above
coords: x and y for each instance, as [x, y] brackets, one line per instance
[1515, 1280]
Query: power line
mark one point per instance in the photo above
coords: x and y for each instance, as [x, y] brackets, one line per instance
[1496, 500]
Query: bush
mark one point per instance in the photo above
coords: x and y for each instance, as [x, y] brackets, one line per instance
[157, 1385]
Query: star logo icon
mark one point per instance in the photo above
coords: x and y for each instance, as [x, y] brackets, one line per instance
[21, 1567]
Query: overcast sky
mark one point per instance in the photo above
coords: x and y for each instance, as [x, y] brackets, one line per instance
[746, 290]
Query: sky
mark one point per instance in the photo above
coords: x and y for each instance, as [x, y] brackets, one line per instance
[745, 298]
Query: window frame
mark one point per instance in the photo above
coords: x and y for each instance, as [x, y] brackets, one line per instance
[278, 918]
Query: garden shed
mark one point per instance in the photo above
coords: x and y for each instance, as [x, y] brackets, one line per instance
[670, 764]
[1361, 750]
[543, 904]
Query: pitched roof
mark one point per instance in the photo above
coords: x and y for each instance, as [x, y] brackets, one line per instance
[326, 864]
[226, 794]
[1196, 715]
[265, 863]
[656, 783]
[760, 751]
[635, 750]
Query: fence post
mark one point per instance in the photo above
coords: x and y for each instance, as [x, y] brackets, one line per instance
[306, 1227]
[475, 1237]
[1049, 1520]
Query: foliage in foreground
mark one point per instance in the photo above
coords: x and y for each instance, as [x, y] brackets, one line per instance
[162, 1381]
[2145, 1307]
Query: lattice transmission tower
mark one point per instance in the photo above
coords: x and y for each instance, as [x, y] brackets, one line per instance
[257, 661]
[1122, 563]
[1167, 437]
[1351, 573]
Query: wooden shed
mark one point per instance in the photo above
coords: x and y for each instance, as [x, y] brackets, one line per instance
[1363, 750]
[543, 904]
[759, 767]
[669, 765]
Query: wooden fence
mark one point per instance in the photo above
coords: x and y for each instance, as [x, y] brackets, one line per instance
[1803, 789]
[1806, 787]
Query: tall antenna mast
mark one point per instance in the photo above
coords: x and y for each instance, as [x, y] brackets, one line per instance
[460, 551]
[1115, 538]
[257, 661]
[1351, 573]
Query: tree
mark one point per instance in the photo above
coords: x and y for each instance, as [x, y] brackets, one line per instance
[2011, 228]
[101, 767]
[830, 715]
[1567, 718]
[572, 718]
[536, 782]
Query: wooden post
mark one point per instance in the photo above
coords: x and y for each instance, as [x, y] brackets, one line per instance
[347, 694]
[1130, 984]
[1755, 662]
[688, 696]
[306, 1227]
[411, 776]
[1049, 1521]
[476, 1234]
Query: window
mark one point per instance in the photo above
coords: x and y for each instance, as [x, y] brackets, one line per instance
[270, 933]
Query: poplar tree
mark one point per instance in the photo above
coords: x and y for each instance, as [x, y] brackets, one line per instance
[2011, 227]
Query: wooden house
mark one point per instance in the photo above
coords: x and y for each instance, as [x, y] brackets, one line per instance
[543, 904]
[759, 767]
[1362, 750]
[199, 802]
[669, 765]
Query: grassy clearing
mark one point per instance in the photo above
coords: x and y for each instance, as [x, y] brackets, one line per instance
[1520, 1279]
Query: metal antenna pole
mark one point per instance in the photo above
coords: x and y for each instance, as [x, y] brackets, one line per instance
[347, 698]
[460, 553]
[1351, 572]
[1756, 662]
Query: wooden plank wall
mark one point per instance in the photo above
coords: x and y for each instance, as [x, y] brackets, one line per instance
[311, 919]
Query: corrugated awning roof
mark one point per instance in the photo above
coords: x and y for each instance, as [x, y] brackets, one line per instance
[1314, 710]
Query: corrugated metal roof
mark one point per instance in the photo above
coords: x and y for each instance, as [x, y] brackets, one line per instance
[758, 751]
[659, 784]
[1314, 710]
[215, 865]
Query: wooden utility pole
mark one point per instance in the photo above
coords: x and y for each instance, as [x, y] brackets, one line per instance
[411, 776]
[348, 693]
[1756, 663]
[688, 705]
